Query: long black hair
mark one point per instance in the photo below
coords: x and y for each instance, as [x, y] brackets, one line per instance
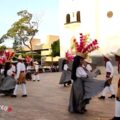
[76, 63]
[7, 67]
[63, 63]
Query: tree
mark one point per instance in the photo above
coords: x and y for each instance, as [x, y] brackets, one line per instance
[55, 49]
[22, 31]
[2, 49]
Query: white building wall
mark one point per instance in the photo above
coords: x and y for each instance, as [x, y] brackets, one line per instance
[94, 21]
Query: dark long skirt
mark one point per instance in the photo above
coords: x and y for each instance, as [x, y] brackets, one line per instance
[29, 76]
[76, 97]
[7, 85]
[92, 87]
[83, 89]
[65, 77]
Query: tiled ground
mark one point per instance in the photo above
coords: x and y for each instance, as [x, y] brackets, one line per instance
[47, 100]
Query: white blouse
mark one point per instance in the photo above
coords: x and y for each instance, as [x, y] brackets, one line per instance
[13, 68]
[80, 72]
[10, 72]
[65, 67]
[89, 67]
[20, 67]
[109, 68]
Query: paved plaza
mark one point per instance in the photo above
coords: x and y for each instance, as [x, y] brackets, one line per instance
[47, 100]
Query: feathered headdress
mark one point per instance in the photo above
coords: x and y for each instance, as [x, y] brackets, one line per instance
[28, 59]
[85, 45]
[69, 56]
[2, 60]
[8, 55]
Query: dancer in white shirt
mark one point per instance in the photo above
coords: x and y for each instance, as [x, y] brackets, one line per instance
[36, 74]
[109, 77]
[20, 77]
[117, 100]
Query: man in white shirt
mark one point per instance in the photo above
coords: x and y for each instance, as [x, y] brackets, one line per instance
[109, 77]
[36, 75]
[20, 77]
[117, 100]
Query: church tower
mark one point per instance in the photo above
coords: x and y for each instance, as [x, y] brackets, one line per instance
[99, 18]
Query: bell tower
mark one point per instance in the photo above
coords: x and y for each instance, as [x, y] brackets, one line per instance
[71, 22]
[99, 18]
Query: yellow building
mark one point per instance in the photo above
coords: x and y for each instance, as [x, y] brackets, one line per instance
[47, 45]
[44, 48]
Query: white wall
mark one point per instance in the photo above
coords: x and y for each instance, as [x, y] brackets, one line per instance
[94, 20]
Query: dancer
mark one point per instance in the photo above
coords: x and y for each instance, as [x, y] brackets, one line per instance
[8, 83]
[83, 87]
[66, 74]
[117, 100]
[20, 77]
[36, 74]
[109, 78]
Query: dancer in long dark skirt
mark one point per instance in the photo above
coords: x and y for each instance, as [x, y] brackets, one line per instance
[83, 88]
[66, 74]
[8, 82]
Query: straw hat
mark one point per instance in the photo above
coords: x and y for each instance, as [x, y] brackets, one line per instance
[36, 63]
[20, 57]
[118, 52]
[88, 60]
[13, 61]
[107, 56]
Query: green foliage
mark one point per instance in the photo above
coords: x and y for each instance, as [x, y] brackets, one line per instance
[2, 48]
[55, 48]
[35, 56]
[21, 31]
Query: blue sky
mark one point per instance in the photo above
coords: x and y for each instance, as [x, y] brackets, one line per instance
[48, 9]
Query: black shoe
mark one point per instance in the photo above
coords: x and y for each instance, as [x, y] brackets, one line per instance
[86, 101]
[38, 80]
[24, 95]
[115, 118]
[84, 109]
[112, 96]
[101, 97]
[69, 83]
[80, 112]
[65, 85]
[13, 96]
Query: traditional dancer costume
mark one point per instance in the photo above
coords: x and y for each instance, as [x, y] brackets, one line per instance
[66, 74]
[8, 81]
[83, 87]
[20, 77]
[92, 73]
[109, 77]
[117, 100]
[29, 68]
[36, 75]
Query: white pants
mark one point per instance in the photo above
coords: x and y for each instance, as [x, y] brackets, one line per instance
[117, 108]
[108, 89]
[35, 77]
[23, 89]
